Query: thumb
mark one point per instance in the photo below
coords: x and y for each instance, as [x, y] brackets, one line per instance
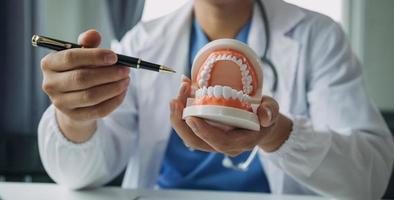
[89, 39]
[268, 111]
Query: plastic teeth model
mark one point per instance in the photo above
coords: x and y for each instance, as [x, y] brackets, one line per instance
[228, 77]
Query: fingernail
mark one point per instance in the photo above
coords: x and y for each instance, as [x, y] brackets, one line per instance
[185, 78]
[270, 115]
[110, 58]
[80, 38]
[269, 112]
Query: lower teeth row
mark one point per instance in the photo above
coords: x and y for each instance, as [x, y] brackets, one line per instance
[222, 91]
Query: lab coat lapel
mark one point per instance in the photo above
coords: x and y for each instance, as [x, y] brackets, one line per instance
[155, 135]
[284, 53]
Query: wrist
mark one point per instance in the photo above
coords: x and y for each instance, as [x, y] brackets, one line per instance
[74, 130]
[277, 134]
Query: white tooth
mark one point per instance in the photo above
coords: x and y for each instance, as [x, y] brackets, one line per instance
[201, 82]
[210, 91]
[217, 91]
[233, 94]
[204, 91]
[245, 73]
[249, 77]
[205, 75]
[208, 76]
[245, 89]
[201, 93]
[250, 89]
[239, 62]
[243, 67]
[204, 72]
[227, 92]
[223, 57]
[207, 70]
[198, 93]
[248, 82]
[242, 98]
[246, 98]
[240, 95]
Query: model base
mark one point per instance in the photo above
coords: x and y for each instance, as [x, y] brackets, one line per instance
[233, 117]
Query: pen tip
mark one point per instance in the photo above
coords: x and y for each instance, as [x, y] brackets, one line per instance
[166, 69]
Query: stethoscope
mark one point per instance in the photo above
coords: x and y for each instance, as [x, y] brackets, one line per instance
[243, 166]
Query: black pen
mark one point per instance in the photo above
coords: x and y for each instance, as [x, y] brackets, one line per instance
[137, 63]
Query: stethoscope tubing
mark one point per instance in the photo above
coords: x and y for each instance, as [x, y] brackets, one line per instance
[243, 166]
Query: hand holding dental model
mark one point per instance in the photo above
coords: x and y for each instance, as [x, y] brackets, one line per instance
[225, 111]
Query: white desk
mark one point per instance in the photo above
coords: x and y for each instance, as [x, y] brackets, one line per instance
[33, 191]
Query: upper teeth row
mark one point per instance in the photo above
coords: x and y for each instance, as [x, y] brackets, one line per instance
[205, 74]
[222, 91]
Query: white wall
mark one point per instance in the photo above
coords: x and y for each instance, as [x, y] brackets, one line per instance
[66, 19]
[378, 52]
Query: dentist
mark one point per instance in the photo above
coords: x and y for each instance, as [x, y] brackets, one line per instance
[320, 132]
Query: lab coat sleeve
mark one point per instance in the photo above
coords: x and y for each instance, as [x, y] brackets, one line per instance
[343, 147]
[98, 160]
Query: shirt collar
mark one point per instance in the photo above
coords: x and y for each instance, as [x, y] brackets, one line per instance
[198, 38]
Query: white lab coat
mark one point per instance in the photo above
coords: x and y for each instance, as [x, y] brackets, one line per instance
[339, 146]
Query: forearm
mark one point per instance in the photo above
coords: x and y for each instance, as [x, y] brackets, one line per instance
[344, 163]
[88, 164]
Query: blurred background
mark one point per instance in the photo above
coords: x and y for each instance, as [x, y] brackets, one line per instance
[368, 23]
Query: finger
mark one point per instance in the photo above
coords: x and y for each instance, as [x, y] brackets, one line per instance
[214, 137]
[186, 79]
[246, 139]
[97, 111]
[75, 58]
[225, 142]
[91, 96]
[268, 111]
[89, 39]
[184, 93]
[183, 130]
[84, 78]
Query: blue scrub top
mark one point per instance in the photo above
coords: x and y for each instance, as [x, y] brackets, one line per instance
[185, 169]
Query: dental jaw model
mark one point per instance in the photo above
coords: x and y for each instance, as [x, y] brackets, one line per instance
[228, 80]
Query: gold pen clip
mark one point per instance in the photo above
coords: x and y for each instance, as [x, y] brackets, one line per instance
[36, 40]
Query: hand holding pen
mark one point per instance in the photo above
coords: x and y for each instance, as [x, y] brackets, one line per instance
[84, 84]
